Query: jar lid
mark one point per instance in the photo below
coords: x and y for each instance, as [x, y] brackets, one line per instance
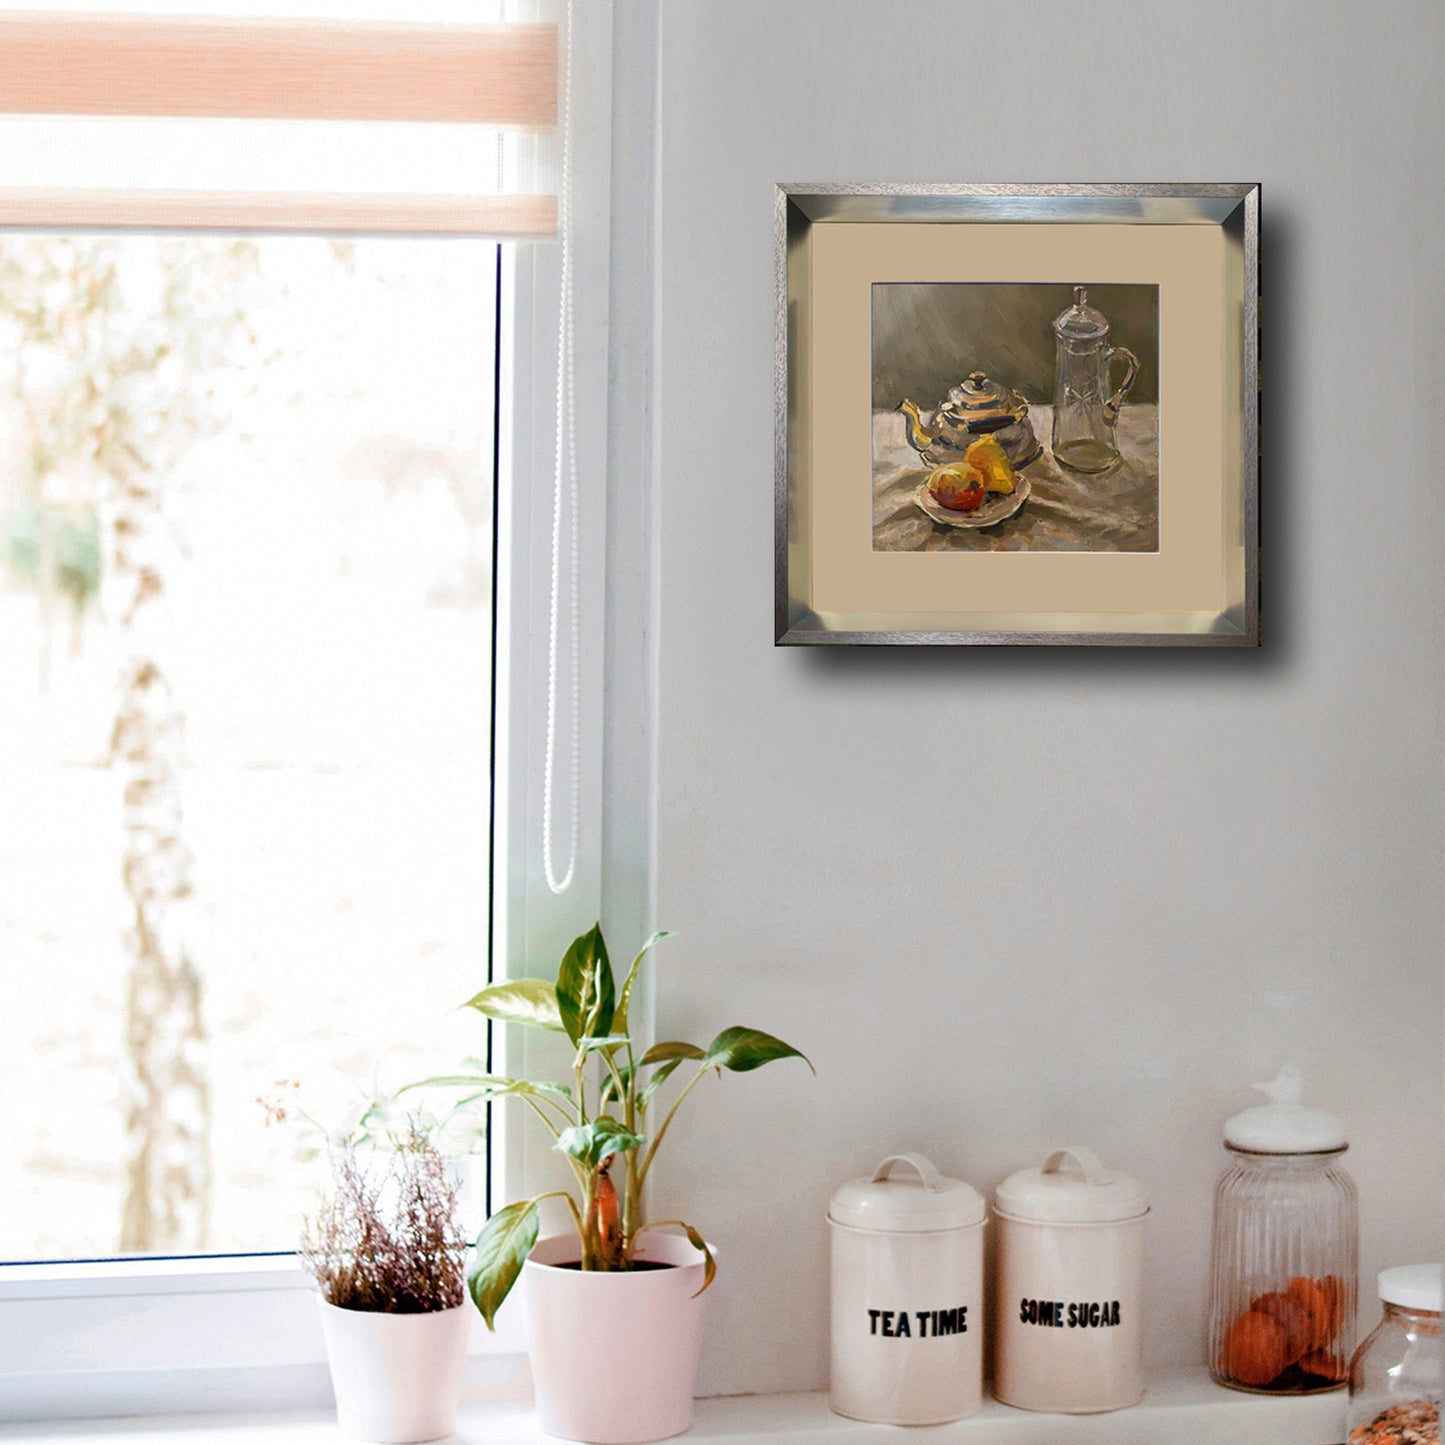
[1284, 1125]
[1087, 1193]
[1412, 1286]
[1081, 322]
[906, 1206]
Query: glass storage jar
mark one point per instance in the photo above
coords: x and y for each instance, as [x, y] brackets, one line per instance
[1285, 1251]
[1397, 1375]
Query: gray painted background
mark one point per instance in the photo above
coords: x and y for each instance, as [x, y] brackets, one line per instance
[1166, 872]
[927, 338]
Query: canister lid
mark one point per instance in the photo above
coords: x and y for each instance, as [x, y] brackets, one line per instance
[1084, 1193]
[1412, 1287]
[906, 1205]
[1284, 1125]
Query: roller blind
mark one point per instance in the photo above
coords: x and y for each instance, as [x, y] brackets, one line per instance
[128, 120]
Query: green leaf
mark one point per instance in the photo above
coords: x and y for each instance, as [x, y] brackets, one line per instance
[585, 987]
[463, 1106]
[742, 1049]
[591, 1143]
[607, 1041]
[671, 1050]
[658, 1079]
[709, 1270]
[502, 1249]
[529, 1001]
[460, 1133]
[609, 1093]
[489, 1086]
[452, 1081]
[624, 999]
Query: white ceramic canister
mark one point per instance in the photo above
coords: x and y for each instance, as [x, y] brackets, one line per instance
[1069, 1298]
[908, 1296]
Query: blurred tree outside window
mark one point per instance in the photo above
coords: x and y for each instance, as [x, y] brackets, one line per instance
[245, 691]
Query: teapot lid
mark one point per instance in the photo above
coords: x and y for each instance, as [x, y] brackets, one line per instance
[1081, 322]
[978, 399]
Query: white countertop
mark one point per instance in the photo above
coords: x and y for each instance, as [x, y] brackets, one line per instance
[1182, 1407]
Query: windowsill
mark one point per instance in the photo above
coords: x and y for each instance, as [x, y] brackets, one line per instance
[86, 1279]
[1183, 1407]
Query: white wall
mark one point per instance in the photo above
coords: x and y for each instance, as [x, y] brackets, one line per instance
[1170, 870]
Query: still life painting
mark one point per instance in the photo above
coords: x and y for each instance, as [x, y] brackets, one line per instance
[1015, 414]
[1015, 417]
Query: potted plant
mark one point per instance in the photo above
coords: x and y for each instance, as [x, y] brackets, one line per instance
[613, 1311]
[389, 1261]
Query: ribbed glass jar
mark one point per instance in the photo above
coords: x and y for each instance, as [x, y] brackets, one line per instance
[1283, 1285]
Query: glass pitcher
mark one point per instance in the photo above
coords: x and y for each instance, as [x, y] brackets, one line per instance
[1084, 420]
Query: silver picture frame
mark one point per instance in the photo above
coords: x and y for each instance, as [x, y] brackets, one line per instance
[802, 208]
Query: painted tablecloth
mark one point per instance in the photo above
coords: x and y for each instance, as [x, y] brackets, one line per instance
[1067, 512]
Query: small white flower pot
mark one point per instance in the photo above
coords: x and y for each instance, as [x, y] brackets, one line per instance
[397, 1377]
[614, 1355]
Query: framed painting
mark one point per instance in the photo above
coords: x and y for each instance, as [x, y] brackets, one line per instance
[1017, 414]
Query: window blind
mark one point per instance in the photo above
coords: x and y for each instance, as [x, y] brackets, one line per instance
[399, 99]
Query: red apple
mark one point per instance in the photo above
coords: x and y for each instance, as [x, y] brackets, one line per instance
[960, 488]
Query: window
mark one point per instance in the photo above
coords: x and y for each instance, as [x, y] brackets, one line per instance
[246, 508]
[82, 1338]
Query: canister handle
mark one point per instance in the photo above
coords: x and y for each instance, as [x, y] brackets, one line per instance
[1089, 1163]
[932, 1179]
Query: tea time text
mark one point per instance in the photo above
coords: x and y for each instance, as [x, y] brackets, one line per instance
[926, 1323]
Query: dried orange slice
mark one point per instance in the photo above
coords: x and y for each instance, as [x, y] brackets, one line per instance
[1254, 1349]
[1293, 1316]
[1334, 1292]
[1310, 1293]
[1326, 1365]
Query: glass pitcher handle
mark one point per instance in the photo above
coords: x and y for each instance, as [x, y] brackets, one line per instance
[1111, 407]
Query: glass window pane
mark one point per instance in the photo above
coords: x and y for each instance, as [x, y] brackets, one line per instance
[245, 694]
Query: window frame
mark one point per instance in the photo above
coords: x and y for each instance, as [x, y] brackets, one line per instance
[170, 1335]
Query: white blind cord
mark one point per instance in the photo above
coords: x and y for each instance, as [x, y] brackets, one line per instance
[564, 489]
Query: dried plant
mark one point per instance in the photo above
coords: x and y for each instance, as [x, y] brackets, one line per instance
[388, 1241]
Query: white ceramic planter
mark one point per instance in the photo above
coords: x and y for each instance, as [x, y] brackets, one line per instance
[396, 1377]
[614, 1356]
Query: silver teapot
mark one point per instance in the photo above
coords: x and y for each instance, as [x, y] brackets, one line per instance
[974, 408]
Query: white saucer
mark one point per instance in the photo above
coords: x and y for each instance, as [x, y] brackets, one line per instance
[995, 508]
